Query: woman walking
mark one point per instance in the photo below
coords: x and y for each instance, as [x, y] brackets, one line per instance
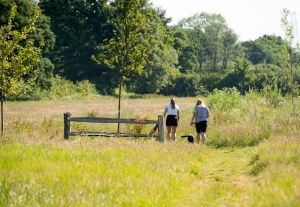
[200, 119]
[172, 119]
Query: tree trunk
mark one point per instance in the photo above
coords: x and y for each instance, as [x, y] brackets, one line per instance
[2, 115]
[292, 81]
[215, 61]
[119, 106]
[2, 96]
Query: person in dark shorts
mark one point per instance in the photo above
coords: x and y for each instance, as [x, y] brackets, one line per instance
[172, 119]
[200, 119]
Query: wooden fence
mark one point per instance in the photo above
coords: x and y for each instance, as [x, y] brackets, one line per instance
[159, 124]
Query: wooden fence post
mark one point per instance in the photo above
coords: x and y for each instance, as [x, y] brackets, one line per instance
[67, 125]
[161, 132]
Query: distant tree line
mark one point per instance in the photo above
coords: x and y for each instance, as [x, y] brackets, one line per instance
[199, 54]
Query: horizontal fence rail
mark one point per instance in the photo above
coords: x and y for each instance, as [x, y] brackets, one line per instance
[111, 120]
[68, 119]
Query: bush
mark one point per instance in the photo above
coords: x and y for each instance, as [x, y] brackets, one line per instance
[226, 99]
[187, 85]
[272, 94]
[62, 89]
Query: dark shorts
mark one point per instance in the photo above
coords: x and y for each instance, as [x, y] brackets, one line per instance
[201, 126]
[171, 120]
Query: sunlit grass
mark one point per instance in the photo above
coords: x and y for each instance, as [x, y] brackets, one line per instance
[121, 172]
[251, 157]
[277, 165]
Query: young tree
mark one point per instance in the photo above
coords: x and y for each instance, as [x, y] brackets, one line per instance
[129, 49]
[286, 52]
[18, 57]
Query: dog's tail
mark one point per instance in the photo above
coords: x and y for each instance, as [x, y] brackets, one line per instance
[190, 138]
[187, 136]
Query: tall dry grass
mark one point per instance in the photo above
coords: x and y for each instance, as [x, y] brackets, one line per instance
[241, 123]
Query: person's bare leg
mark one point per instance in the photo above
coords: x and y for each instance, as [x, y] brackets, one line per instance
[174, 133]
[198, 138]
[169, 132]
[203, 135]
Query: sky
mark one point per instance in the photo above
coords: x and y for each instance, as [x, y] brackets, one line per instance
[249, 19]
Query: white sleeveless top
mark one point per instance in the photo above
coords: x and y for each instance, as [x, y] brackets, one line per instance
[172, 111]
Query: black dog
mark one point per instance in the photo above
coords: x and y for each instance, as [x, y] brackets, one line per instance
[190, 138]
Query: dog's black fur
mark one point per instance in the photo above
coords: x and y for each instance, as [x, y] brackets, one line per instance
[190, 138]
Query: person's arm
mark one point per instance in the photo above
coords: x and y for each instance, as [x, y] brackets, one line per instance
[165, 112]
[193, 117]
[208, 114]
[178, 116]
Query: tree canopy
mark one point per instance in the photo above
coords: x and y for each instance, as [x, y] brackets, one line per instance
[195, 56]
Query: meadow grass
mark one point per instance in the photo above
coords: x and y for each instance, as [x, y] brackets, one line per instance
[277, 164]
[251, 157]
[118, 172]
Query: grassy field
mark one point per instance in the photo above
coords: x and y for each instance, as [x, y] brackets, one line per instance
[252, 155]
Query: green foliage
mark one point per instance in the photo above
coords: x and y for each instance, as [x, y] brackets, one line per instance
[226, 99]
[161, 55]
[272, 94]
[45, 74]
[286, 54]
[18, 58]
[41, 33]
[187, 85]
[263, 74]
[238, 121]
[212, 39]
[77, 38]
[160, 68]
[62, 89]
[187, 52]
[239, 77]
[212, 81]
[263, 50]
[254, 52]
[129, 49]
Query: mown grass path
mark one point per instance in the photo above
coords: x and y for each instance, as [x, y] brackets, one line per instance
[223, 178]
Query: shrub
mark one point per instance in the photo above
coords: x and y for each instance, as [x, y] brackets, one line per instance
[62, 89]
[272, 94]
[226, 99]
